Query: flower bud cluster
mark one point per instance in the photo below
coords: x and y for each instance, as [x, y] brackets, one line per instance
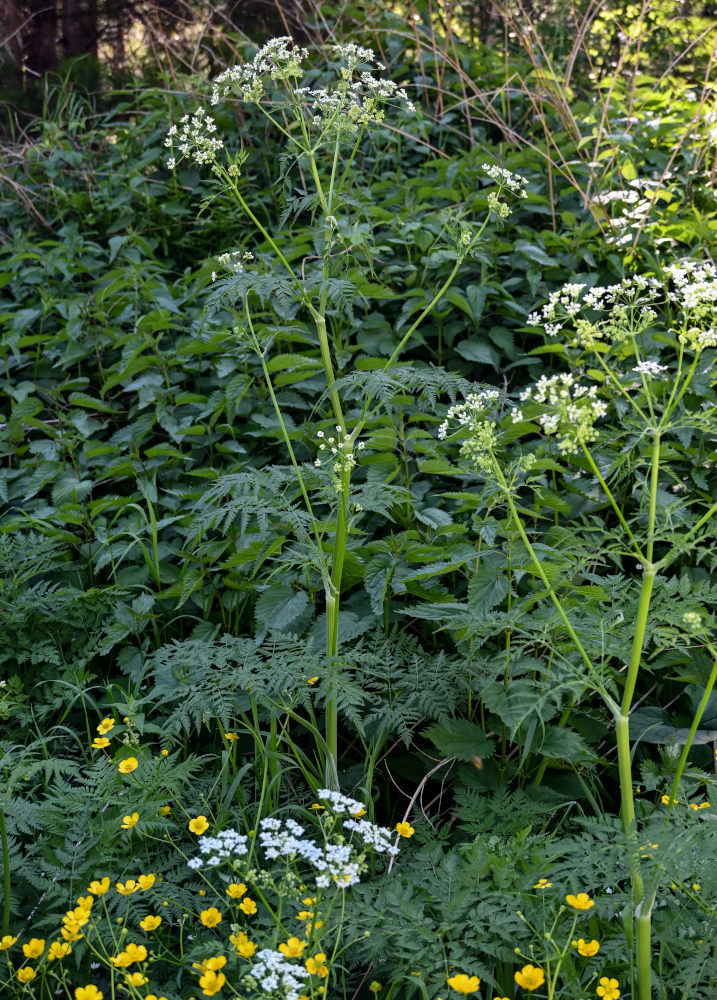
[194, 138]
[692, 620]
[471, 415]
[233, 261]
[505, 179]
[341, 448]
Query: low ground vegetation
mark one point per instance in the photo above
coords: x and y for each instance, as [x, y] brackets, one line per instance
[357, 555]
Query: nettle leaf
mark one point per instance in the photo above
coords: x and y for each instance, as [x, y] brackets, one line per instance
[564, 744]
[487, 589]
[460, 738]
[279, 607]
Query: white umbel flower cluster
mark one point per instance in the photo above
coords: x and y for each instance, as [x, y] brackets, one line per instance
[650, 369]
[570, 410]
[355, 101]
[276, 974]
[335, 863]
[377, 837]
[195, 138]
[341, 804]
[505, 179]
[474, 416]
[279, 59]
[223, 846]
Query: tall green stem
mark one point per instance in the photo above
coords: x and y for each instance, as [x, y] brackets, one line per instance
[5, 875]
[538, 567]
[643, 908]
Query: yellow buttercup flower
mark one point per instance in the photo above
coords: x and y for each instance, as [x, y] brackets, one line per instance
[542, 883]
[132, 953]
[316, 806]
[153, 996]
[530, 977]
[150, 923]
[247, 906]
[136, 979]
[128, 887]
[210, 917]
[34, 948]
[106, 725]
[164, 753]
[316, 967]
[404, 829]
[146, 881]
[243, 945]
[88, 993]
[608, 989]
[26, 975]
[128, 765]
[587, 948]
[71, 932]
[312, 680]
[58, 950]
[213, 964]
[293, 947]
[99, 888]
[129, 821]
[198, 825]
[99, 743]
[211, 982]
[665, 799]
[165, 810]
[463, 983]
[359, 814]
[230, 736]
[580, 902]
[7, 941]
[236, 891]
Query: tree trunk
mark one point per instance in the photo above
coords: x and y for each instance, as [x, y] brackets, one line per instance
[79, 28]
[11, 23]
[39, 37]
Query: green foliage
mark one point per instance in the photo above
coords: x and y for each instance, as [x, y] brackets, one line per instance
[169, 546]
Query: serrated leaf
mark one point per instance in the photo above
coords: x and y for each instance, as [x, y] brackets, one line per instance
[460, 738]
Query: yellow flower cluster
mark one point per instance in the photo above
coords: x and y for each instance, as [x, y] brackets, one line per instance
[131, 954]
[211, 979]
[75, 919]
[316, 966]
[142, 882]
[243, 945]
[310, 915]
